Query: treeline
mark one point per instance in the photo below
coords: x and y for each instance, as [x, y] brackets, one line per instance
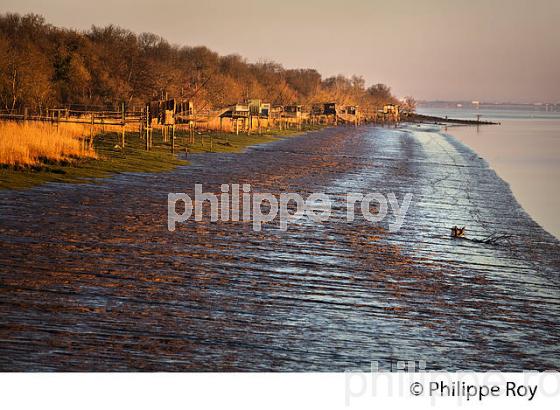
[43, 66]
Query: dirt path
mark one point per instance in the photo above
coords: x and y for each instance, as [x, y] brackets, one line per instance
[92, 280]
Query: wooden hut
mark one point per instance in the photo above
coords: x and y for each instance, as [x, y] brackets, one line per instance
[324, 113]
[351, 110]
[162, 112]
[239, 115]
[389, 113]
[292, 111]
[330, 109]
[265, 110]
[350, 114]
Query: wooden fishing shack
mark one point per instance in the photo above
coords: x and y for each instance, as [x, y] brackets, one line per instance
[350, 114]
[238, 114]
[324, 113]
[389, 113]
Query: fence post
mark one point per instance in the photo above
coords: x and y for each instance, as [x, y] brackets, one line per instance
[191, 130]
[147, 127]
[123, 124]
[173, 139]
[91, 131]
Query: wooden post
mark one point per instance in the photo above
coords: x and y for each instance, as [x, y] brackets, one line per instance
[123, 125]
[173, 139]
[194, 129]
[147, 128]
[91, 130]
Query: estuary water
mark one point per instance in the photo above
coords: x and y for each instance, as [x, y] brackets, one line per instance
[524, 150]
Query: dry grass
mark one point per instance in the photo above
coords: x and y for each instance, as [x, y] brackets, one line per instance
[36, 143]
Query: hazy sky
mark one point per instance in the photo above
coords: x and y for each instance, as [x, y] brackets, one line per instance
[491, 50]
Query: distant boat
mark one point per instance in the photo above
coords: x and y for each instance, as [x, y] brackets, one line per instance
[459, 105]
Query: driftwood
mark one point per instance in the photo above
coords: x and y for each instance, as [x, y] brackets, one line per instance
[457, 232]
[494, 239]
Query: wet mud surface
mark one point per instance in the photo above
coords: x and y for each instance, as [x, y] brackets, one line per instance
[92, 280]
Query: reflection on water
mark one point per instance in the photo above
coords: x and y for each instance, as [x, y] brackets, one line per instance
[92, 280]
[524, 150]
[525, 153]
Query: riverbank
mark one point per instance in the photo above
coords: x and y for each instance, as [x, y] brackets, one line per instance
[97, 282]
[113, 159]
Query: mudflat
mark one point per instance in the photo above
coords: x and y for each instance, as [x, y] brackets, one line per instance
[92, 280]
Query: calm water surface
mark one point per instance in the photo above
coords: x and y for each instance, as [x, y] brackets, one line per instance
[524, 150]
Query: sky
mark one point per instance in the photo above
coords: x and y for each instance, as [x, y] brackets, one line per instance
[487, 50]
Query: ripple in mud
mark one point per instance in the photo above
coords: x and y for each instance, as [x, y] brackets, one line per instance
[92, 280]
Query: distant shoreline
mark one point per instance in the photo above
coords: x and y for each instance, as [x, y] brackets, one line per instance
[430, 119]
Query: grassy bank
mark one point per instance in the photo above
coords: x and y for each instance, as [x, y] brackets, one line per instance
[112, 159]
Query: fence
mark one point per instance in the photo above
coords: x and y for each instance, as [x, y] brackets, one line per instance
[143, 121]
